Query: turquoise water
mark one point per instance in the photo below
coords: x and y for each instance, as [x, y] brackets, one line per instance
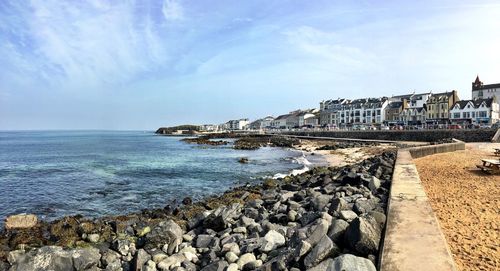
[95, 173]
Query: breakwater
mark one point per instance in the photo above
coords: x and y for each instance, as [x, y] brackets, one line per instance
[323, 218]
[477, 135]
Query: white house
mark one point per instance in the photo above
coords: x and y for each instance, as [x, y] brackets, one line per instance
[413, 116]
[366, 111]
[240, 124]
[481, 91]
[329, 112]
[266, 122]
[279, 122]
[413, 100]
[477, 111]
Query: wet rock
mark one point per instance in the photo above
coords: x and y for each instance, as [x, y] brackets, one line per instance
[20, 221]
[243, 160]
[349, 262]
[222, 217]
[363, 235]
[187, 201]
[206, 241]
[325, 248]
[93, 237]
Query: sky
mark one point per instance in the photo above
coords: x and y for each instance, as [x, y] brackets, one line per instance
[139, 65]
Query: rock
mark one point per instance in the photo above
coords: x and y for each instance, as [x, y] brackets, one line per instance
[363, 235]
[379, 217]
[292, 215]
[220, 218]
[45, 258]
[303, 248]
[149, 266]
[158, 257]
[349, 262]
[252, 265]
[364, 206]
[272, 240]
[187, 201]
[244, 259]
[323, 266]
[189, 266]
[110, 257]
[84, 259]
[348, 215]
[337, 230]
[321, 251]
[166, 232]
[318, 231]
[232, 267]
[20, 221]
[216, 266]
[319, 202]
[243, 160]
[143, 231]
[374, 184]
[231, 257]
[93, 238]
[121, 245]
[240, 230]
[171, 262]
[338, 204]
[141, 258]
[205, 241]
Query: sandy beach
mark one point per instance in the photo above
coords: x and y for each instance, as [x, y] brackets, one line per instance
[467, 204]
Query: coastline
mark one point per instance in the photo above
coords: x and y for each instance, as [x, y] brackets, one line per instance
[68, 232]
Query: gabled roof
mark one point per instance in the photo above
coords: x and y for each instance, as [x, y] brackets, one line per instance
[476, 103]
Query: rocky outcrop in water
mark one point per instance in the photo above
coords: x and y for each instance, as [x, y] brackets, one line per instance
[324, 219]
[202, 140]
[253, 143]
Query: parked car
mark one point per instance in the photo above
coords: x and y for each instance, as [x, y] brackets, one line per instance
[455, 126]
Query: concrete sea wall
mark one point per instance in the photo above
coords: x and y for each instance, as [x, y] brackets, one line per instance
[477, 135]
[413, 238]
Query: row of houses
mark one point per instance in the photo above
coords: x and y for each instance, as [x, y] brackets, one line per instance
[410, 109]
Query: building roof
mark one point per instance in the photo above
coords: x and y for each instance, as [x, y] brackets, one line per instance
[395, 105]
[476, 103]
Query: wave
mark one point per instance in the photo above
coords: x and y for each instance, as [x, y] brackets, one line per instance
[302, 160]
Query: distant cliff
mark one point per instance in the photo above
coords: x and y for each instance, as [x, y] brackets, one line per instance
[181, 129]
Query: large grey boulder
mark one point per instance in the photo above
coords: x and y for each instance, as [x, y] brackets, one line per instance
[325, 248]
[337, 230]
[222, 217]
[141, 258]
[323, 266]
[50, 258]
[84, 259]
[216, 266]
[363, 235]
[349, 262]
[317, 231]
[319, 202]
[271, 241]
[166, 232]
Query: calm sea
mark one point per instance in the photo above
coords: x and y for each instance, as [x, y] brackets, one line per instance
[97, 173]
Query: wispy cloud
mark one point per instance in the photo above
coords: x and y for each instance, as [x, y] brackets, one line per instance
[172, 10]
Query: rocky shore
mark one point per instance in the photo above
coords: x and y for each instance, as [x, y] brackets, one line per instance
[346, 145]
[324, 219]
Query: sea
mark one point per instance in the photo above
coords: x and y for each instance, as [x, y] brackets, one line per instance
[96, 173]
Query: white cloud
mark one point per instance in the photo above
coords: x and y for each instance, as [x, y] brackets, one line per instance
[172, 10]
[328, 46]
[82, 45]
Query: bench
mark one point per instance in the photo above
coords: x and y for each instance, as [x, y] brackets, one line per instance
[490, 166]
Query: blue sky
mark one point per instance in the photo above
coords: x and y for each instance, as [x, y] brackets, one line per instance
[144, 64]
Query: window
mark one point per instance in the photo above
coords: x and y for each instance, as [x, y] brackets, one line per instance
[456, 115]
[483, 114]
[473, 114]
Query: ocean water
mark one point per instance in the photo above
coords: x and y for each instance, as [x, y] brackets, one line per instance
[96, 173]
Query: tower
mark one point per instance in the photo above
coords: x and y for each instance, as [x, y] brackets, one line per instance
[477, 84]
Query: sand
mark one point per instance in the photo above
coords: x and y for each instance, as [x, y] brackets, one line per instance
[341, 157]
[467, 204]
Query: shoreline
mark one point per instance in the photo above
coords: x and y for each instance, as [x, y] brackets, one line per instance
[68, 231]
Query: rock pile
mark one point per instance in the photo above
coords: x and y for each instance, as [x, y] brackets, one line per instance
[324, 219]
[202, 140]
[347, 145]
[253, 143]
